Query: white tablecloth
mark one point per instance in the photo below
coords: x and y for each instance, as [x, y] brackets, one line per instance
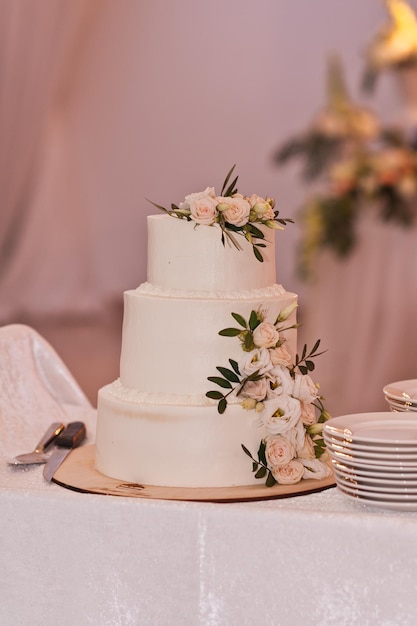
[77, 559]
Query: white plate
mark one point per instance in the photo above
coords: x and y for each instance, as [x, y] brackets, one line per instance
[401, 407]
[365, 463]
[385, 428]
[334, 441]
[402, 390]
[395, 457]
[386, 497]
[375, 473]
[381, 504]
[376, 488]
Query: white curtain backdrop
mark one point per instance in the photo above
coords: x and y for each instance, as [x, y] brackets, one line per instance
[105, 103]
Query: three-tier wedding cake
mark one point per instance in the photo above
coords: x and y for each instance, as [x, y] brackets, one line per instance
[211, 392]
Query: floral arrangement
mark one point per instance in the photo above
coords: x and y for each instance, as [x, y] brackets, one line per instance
[395, 45]
[232, 212]
[282, 394]
[359, 165]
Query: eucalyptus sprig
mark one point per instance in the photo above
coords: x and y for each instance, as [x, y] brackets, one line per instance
[305, 359]
[231, 379]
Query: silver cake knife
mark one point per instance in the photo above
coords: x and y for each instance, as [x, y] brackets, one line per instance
[71, 437]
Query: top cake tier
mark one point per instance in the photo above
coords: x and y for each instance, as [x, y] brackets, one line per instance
[186, 256]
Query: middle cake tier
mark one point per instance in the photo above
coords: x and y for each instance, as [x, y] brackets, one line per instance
[171, 341]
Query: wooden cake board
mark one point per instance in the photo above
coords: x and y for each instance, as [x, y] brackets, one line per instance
[78, 473]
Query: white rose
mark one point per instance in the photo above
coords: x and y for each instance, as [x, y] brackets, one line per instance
[289, 474]
[256, 389]
[296, 436]
[265, 335]
[280, 414]
[278, 451]
[314, 468]
[281, 381]
[280, 356]
[235, 210]
[304, 388]
[307, 451]
[308, 413]
[255, 360]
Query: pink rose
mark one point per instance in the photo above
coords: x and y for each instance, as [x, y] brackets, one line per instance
[235, 210]
[256, 389]
[289, 474]
[202, 206]
[308, 413]
[278, 451]
[280, 356]
[304, 388]
[265, 335]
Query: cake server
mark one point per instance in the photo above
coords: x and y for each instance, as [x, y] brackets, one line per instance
[38, 455]
[71, 437]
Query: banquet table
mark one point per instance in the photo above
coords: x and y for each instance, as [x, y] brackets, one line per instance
[73, 558]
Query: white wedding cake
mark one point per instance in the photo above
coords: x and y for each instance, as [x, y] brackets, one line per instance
[208, 368]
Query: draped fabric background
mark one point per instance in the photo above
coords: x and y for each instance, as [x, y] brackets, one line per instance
[104, 104]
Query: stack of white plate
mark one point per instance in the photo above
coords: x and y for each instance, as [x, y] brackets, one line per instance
[402, 395]
[374, 457]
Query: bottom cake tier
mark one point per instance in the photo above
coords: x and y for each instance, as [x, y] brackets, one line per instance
[173, 445]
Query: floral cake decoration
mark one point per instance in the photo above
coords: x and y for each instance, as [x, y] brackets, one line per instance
[236, 215]
[280, 390]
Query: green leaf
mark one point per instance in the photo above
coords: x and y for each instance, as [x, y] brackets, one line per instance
[258, 254]
[240, 320]
[245, 450]
[230, 332]
[235, 366]
[261, 453]
[229, 374]
[254, 320]
[303, 369]
[256, 232]
[310, 365]
[261, 473]
[248, 344]
[214, 395]
[222, 406]
[231, 188]
[255, 466]
[315, 347]
[226, 180]
[220, 381]
[270, 481]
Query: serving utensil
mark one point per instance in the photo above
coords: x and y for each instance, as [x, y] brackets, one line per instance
[73, 435]
[38, 455]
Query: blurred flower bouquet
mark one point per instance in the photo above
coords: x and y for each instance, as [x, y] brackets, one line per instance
[394, 46]
[360, 166]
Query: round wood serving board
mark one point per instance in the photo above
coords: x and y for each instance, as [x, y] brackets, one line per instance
[78, 473]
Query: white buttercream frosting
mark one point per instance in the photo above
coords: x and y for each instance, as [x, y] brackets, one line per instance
[126, 394]
[247, 294]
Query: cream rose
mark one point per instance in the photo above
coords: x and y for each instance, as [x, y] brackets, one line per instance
[280, 356]
[278, 451]
[280, 414]
[256, 389]
[304, 388]
[235, 210]
[314, 468]
[289, 474]
[202, 206]
[265, 335]
[255, 360]
[308, 413]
